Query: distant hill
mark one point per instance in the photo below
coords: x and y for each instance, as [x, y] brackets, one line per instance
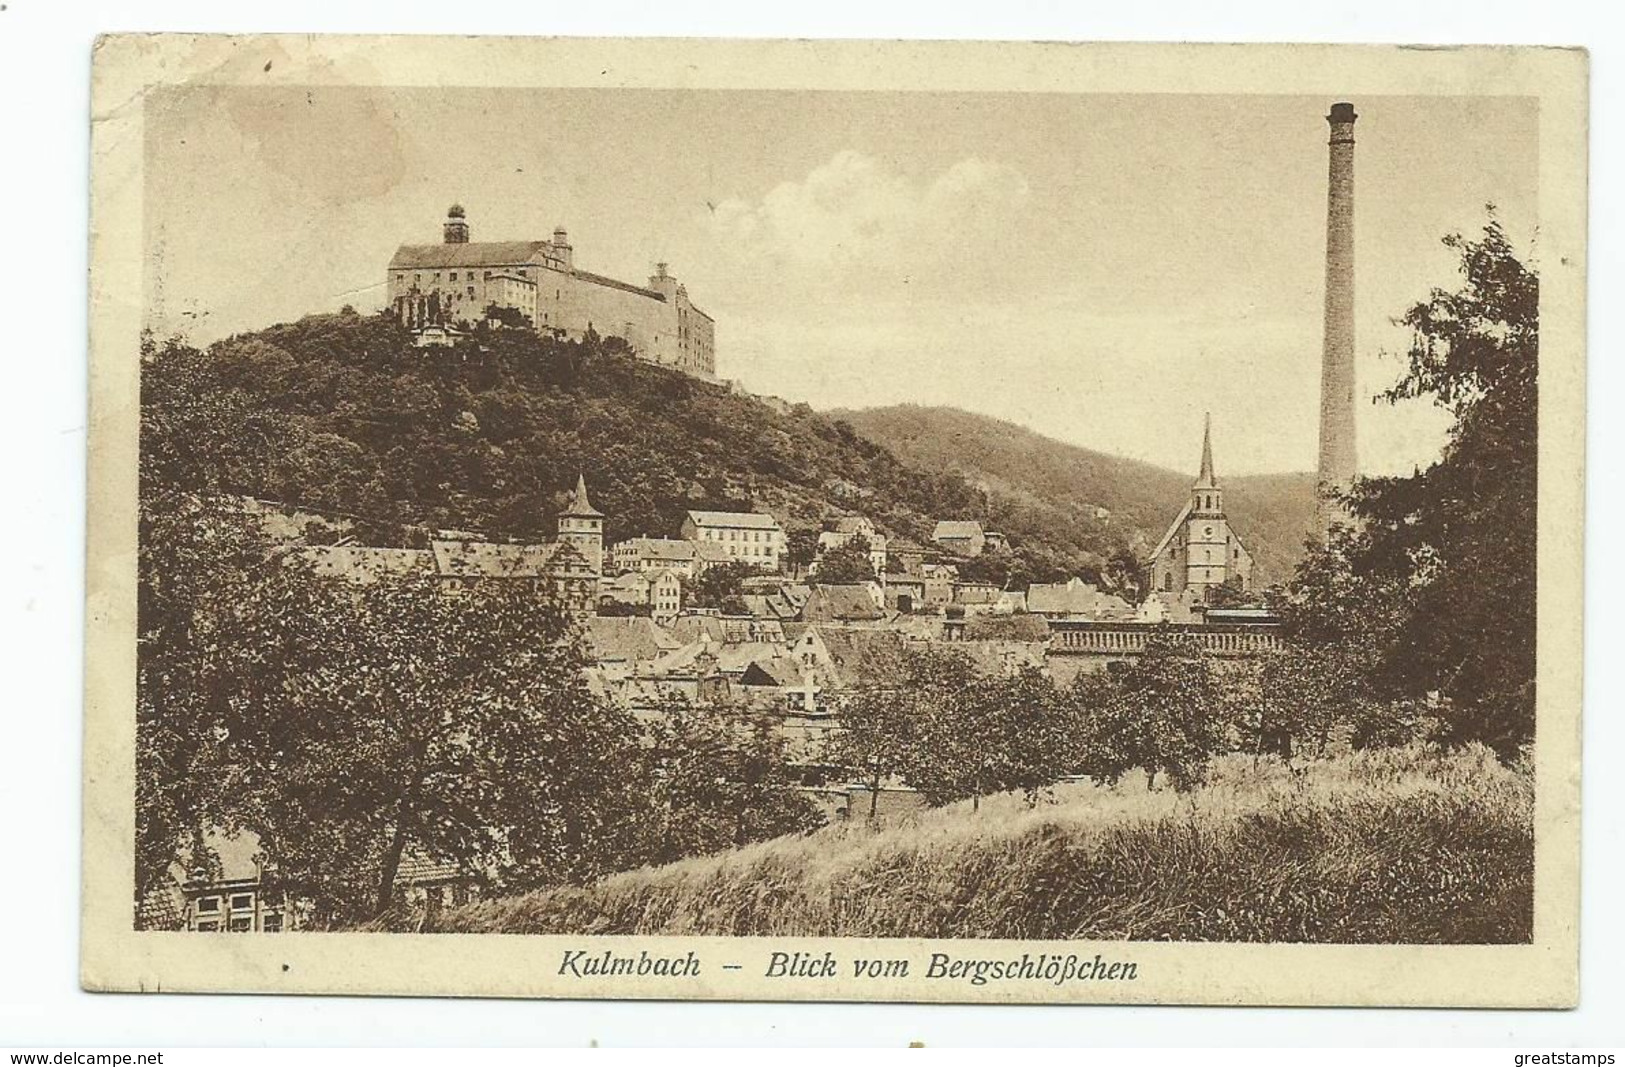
[1036, 485]
[341, 416]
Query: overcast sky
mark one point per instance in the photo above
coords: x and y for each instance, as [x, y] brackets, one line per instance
[1101, 269]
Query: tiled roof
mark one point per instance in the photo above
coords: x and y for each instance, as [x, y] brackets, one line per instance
[957, 528]
[467, 254]
[632, 639]
[846, 603]
[664, 548]
[483, 559]
[780, 671]
[416, 869]
[711, 552]
[627, 287]
[863, 656]
[1075, 597]
[363, 565]
[738, 520]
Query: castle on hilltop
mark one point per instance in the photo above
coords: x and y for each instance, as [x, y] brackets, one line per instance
[461, 282]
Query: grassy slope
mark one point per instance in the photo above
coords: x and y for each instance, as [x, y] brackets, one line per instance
[1271, 512]
[1394, 847]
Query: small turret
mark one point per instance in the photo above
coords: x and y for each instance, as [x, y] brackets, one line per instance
[582, 525]
[663, 281]
[562, 248]
[455, 229]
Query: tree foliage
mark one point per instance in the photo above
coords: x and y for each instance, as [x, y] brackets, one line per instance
[1432, 599]
[846, 564]
[719, 779]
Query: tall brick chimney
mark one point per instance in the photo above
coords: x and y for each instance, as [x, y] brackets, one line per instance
[1337, 458]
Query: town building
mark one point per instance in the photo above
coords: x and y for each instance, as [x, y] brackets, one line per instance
[747, 536]
[660, 591]
[1201, 550]
[843, 531]
[227, 891]
[844, 603]
[582, 526]
[1075, 599]
[687, 558]
[460, 282]
[962, 537]
[569, 567]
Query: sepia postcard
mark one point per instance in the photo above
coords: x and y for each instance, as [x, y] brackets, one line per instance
[835, 520]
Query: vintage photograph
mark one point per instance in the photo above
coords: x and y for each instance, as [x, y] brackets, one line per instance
[1079, 518]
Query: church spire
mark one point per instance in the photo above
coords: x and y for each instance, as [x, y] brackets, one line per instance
[1205, 480]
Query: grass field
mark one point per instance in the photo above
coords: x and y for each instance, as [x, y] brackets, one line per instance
[1394, 846]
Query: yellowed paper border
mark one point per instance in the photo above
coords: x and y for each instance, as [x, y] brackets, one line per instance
[116, 957]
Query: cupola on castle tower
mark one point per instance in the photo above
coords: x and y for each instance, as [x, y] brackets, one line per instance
[1201, 551]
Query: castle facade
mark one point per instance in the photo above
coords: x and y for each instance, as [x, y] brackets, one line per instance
[460, 281]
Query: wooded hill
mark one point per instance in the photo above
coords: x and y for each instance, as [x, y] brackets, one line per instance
[341, 414]
[1035, 483]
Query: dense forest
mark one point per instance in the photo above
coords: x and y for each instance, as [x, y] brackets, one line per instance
[341, 414]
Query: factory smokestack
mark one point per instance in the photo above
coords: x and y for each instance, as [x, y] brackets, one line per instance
[1337, 459]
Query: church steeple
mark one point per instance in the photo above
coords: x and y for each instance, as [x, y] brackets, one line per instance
[1206, 498]
[1205, 479]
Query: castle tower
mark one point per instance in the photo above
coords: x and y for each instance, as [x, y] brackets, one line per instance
[1337, 467]
[562, 247]
[455, 229]
[582, 526]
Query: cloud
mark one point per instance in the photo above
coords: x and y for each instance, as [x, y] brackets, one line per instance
[854, 223]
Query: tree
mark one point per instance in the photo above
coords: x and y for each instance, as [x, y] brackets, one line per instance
[196, 588]
[719, 779]
[415, 721]
[984, 735]
[879, 724]
[800, 546]
[200, 558]
[1340, 621]
[1462, 532]
[1227, 594]
[846, 564]
[1164, 714]
[719, 585]
[1430, 599]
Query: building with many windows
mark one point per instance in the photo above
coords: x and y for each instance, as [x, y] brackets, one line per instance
[747, 536]
[461, 282]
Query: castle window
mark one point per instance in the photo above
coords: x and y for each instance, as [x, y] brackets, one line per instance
[471, 292]
[453, 275]
[1168, 582]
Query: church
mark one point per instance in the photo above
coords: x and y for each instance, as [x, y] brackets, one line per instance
[1200, 551]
